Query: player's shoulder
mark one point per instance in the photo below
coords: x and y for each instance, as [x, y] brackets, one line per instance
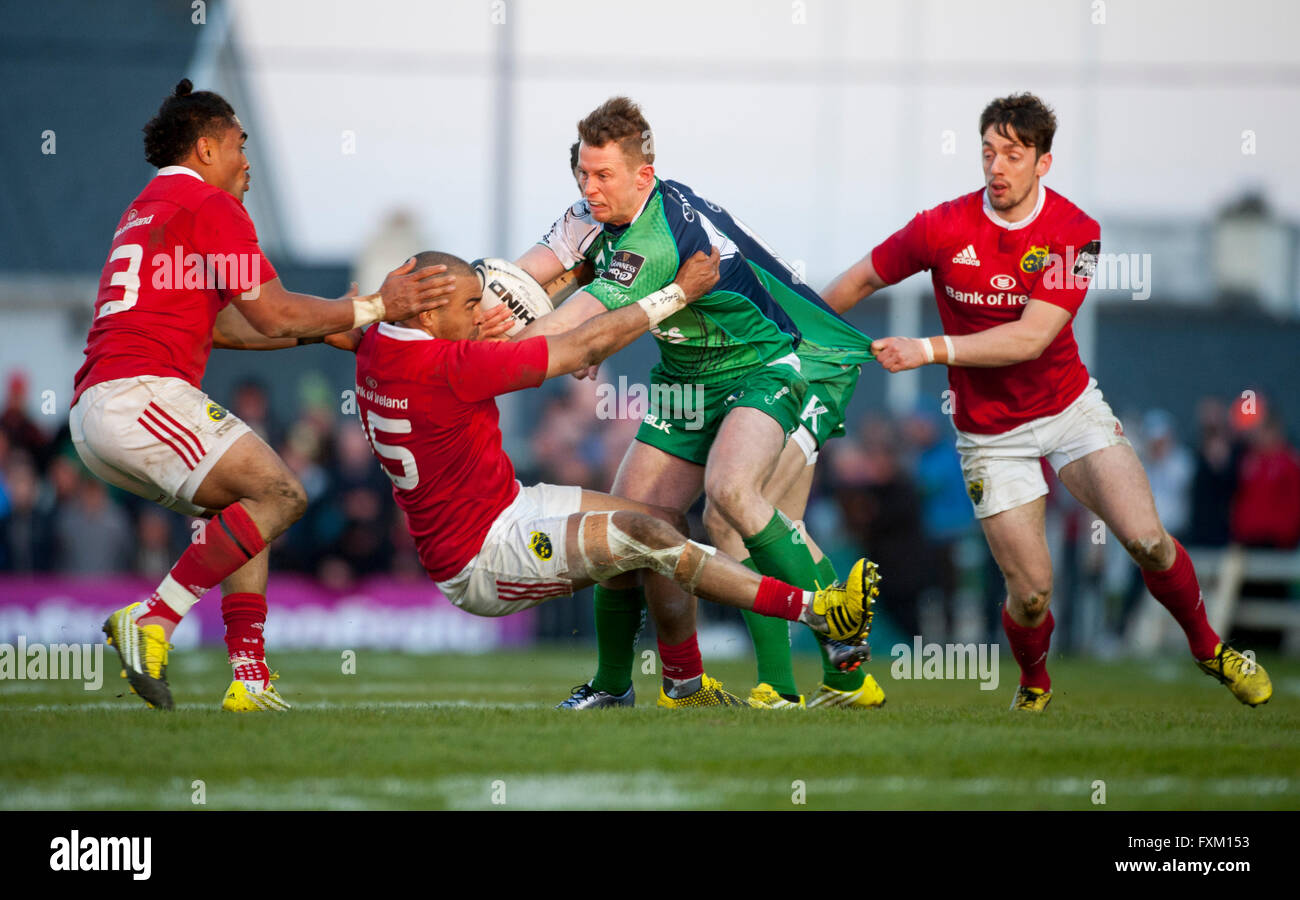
[1065, 215]
[182, 187]
[580, 214]
[215, 202]
[958, 208]
[670, 204]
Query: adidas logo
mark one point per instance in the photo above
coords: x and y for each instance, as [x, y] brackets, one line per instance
[967, 257]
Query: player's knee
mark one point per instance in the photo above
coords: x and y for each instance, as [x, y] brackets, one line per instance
[1031, 595]
[1149, 551]
[645, 529]
[729, 499]
[291, 498]
[1034, 603]
[674, 518]
[714, 521]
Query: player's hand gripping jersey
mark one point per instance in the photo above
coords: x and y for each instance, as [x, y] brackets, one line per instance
[984, 271]
[831, 350]
[426, 407]
[184, 249]
[729, 331]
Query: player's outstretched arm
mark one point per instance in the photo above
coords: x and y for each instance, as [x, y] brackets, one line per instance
[1002, 345]
[231, 331]
[609, 332]
[856, 284]
[277, 312]
[541, 262]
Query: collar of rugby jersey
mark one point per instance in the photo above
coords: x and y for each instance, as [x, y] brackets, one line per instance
[402, 333]
[619, 229]
[179, 170]
[1014, 226]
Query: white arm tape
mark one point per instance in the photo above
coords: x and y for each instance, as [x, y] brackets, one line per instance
[367, 310]
[929, 350]
[663, 303]
[952, 354]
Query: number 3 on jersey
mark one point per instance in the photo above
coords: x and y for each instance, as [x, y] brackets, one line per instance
[371, 423]
[128, 279]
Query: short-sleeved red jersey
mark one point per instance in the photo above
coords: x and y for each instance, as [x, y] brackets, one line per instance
[984, 271]
[427, 409]
[182, 250]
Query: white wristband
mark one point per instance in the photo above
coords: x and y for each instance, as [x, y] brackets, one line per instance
[929, 350]
[367, 310]
[952, 354]
[663, 303]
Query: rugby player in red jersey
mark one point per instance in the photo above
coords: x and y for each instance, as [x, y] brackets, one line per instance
[1011, 264]
[185, 274]
[425, 390]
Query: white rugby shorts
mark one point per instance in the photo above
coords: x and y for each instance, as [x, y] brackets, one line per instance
[1002, 471]
[523, 560]
[154, 436]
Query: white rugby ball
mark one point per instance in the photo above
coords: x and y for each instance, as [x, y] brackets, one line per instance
[504, 282]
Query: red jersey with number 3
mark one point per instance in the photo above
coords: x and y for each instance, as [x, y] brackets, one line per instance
[181, 252]
[984, 271]
[427, 409]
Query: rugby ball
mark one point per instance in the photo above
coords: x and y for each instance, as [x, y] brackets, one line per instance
[504, 282]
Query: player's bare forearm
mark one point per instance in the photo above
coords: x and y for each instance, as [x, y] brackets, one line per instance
[566, 284]
[595, 340]
[407, 291]
[856, 284]
[1002, 345]
[541, 262]
[581, 307]
[292, 316]
[604, 335]
[231, 331]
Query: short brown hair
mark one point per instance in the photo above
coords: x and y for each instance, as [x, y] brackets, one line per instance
[619, 119]
[1032, 120]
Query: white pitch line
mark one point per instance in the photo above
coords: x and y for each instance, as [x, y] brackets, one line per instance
[594, 790]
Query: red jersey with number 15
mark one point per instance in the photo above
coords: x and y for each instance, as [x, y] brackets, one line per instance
[984, 271]
[426, 407]
[182, 250]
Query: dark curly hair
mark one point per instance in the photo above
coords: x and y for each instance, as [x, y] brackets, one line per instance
[1032, 120]
[182, 119]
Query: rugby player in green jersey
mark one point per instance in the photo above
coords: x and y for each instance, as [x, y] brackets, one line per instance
[831, 355]
[734, 347]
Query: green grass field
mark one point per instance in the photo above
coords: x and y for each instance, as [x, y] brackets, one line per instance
[458, 732]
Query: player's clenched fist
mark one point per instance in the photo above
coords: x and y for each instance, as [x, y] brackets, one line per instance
[406, 292]
[698, 274]
[898, 354]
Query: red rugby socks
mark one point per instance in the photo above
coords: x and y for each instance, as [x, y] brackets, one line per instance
[1029, 647]
[1179, 592]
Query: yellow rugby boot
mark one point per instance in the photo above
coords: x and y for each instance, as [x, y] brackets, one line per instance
[250, 696]
[870, 696]
[143, 653]
[843, 612]
[1243, 676]
[764, 696]
[1031, 699]
[709, 694]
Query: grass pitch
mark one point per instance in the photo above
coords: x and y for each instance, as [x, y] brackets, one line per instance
[478, 732]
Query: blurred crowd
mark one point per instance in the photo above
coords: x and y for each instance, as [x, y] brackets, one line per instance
[892, 488]
[57, 517]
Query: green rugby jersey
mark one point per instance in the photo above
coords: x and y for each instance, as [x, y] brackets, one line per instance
[734, 328]
[827, 338]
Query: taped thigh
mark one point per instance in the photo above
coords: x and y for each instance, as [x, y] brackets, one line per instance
[606, 551]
